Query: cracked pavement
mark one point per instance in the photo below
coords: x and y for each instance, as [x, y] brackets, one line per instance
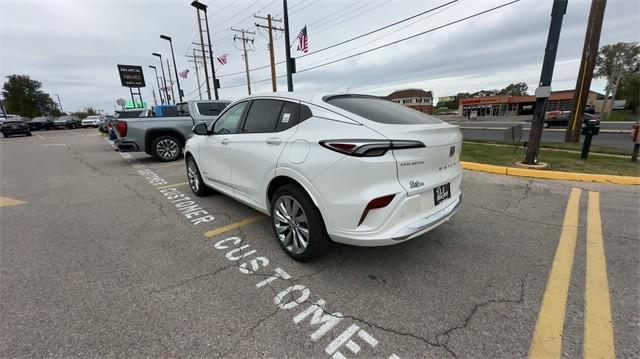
[98, 263]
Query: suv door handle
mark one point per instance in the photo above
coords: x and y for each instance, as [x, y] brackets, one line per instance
[274, 141]
[225, 141]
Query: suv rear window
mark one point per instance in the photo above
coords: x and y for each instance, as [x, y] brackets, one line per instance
[380, 110]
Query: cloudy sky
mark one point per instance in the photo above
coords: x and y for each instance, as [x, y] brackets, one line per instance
[73, 47]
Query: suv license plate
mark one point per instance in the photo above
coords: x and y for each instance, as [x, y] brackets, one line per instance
[441, 193]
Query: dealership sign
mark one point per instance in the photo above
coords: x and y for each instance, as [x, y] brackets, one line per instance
[131, 76]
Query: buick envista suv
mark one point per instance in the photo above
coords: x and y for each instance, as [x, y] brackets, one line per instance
[355, 169]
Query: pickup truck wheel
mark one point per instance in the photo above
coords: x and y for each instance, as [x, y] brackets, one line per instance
[166, 148]
[195, 179]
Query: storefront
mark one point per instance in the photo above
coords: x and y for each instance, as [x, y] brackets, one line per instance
[521, 105]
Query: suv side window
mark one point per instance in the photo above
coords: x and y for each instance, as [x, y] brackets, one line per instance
[262, 116]
[289, 117]
[228, 122]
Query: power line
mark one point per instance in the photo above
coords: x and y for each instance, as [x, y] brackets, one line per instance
[395, 42]
[351, 39]
[379, 29]
[411, 37]
[304, 7]
[328, 25]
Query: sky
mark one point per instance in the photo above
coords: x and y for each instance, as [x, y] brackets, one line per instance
[73, 47]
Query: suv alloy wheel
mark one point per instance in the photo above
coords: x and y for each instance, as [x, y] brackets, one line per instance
[298, 224]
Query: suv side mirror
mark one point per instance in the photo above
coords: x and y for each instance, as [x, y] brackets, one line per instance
[200, 129]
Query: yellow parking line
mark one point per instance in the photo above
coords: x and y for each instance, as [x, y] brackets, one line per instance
[173, 185]
[229, 227]
[547, 337]
[598, 327]
[6, 202]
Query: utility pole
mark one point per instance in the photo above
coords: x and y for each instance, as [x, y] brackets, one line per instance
[244, 40]
[173, 95]
[158, 83]
[544, 87]
[588, 62]
[155, 100]
[213, 68]
[195, 63]
[59, 103]
[287, 47]
[206, 72]
[272, 57]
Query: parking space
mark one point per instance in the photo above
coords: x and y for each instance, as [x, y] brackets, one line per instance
[110, 254]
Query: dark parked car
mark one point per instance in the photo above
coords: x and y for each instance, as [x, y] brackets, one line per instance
[14, 127]
[67, 122]
[41, 123]
[562, 119]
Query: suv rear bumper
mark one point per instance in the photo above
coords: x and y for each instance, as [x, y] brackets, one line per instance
[397, 234]
[125, 146]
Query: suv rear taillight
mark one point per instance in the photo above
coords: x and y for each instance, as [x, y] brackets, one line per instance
[122, 128]
[368, 148]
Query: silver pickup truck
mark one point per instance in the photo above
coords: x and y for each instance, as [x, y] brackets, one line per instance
[164, 137]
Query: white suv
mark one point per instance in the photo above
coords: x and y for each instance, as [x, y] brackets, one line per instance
[355, 169]
[91, 121]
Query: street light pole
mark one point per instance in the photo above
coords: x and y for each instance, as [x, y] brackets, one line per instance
[155, 69]
[175, 68]
[200, 6]
[164, 79]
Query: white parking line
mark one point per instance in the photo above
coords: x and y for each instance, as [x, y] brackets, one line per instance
[327, 324]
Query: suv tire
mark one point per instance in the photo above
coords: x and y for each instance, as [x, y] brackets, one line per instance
[195, 179]
[166, 148]
[295, 218]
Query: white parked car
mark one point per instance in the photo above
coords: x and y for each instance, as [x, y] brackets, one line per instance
[92, 121]
[354, 169]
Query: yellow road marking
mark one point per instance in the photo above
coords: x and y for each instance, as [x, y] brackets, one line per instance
[173, 185]
[547, 337]
[598, 327]
[6, 202]
[229, 227]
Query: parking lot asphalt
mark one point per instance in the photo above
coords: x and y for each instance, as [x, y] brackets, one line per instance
[98, 258]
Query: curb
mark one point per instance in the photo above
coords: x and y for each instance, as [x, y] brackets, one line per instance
[555, 175]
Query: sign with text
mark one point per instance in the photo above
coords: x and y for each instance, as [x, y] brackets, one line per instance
[131, 76]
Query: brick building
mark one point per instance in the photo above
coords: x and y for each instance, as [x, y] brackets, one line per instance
[417, 99]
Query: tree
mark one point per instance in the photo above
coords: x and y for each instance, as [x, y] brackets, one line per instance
[516, 89]
[630, 91]
[23, 96]
[618, 63]
[87, 111]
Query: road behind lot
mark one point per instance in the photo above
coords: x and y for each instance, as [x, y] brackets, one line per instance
[98, 261]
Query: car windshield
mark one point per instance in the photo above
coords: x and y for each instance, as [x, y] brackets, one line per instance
[64, 118]
[380, 110]
[39, 119]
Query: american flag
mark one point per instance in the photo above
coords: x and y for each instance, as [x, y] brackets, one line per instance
[184, 73]
[222, 59]
[303, 44]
